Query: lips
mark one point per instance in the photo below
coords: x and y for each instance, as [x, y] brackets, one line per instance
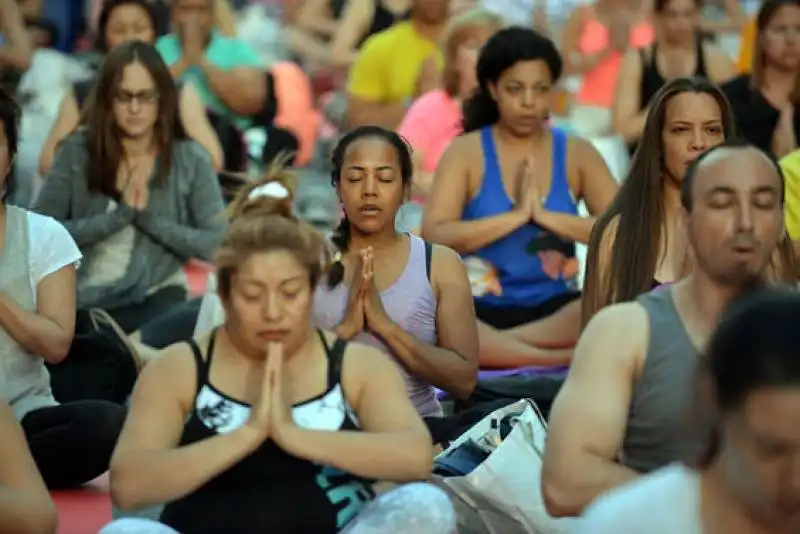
[273, 335]
[369, 209]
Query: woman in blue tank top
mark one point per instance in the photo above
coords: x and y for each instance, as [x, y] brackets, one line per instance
[505, 196]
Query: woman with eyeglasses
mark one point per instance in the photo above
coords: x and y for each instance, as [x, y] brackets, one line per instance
[138, 197]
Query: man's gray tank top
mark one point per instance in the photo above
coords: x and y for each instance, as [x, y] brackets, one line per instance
[661, 427]
[24, 380]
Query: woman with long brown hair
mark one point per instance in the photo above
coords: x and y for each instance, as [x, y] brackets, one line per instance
[137, 196]
[638, 242]
[765, 102]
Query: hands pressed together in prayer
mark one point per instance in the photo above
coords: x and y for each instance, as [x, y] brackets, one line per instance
[529, 192]
[364, 307]
[133, 183]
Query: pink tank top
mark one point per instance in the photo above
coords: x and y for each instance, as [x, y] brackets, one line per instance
[600, 84]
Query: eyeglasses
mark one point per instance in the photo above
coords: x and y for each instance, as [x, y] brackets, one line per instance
[142, 97]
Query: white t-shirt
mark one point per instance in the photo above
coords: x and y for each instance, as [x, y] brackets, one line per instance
[666, 501]
[50, 247]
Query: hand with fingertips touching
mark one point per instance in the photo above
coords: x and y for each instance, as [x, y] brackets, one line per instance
[374, 312]
[353, 321]
[260, 411]
[528, 193]
[280, 420]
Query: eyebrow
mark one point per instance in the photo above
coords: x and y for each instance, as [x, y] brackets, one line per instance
[259, 283]
[687, 123]
[363, 168]
[732, 191]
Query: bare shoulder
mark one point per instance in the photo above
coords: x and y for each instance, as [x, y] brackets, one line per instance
[616, 336]
[173, 369]
[463, 145]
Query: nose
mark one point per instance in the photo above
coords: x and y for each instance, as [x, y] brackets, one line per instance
[744, 218]
[371, 186]
[698, 142]
[134, 106]
[273, 310]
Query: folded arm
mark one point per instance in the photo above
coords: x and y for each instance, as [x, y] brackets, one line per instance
[199, 238]
[148, 466]
[393, 443]
[242, 89]
[441, 222]
[588, 420]
[451, 364]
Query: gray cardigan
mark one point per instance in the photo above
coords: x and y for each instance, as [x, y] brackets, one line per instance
[182, 220]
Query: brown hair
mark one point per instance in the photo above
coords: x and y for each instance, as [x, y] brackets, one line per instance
[461, 28]
[765, 15]
[97, 117]
[638, 209]
[263, 223]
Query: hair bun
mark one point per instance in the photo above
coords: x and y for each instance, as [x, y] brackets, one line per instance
[272, 195]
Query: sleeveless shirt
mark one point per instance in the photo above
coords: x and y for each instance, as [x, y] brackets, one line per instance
[409, 302]
[24, 380]
[659, 429]
[269, 490]
[530, 265]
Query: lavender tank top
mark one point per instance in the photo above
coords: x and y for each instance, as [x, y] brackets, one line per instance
[409, 302]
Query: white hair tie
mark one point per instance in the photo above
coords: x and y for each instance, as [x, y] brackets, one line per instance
[270, 189]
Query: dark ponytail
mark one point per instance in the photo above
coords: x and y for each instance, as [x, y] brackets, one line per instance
[341, 235]
[340, 239]
[479, 110]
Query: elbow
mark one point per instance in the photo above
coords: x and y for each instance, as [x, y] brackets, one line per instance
[123, 486]
[432, 233]
[466, 384]
[57, 350]
[41, 518]
[419, 462]
[558, 495]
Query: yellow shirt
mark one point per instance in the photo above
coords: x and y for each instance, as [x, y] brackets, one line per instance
[388, 65]
[790, 164]
[746, 47]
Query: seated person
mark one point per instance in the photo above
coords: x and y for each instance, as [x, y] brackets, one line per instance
[623, 409]
[639, 242]
[16, 48]
[71, 443]
[25, 504]
[748, 480]
[765, 102]
[505, 197]
[678, 51]
[396, 66]
[138, 197]
[419, 309]
[121, 21]
[227, 73]
[268, 424]
[434, 119]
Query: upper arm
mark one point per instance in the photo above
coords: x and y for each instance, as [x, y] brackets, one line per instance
[382, 403]
[18, 472]
[68, 165]
[590, 412]
[627, 99]
[206, 203]
[365, 80]
[311, 10]
[66, 121]
[721, 67]
[351, 26]
[572, 33]
[791, 169]
[160, 401]
[450, 189]
[456, 325]
[598, 187]
[196, 123]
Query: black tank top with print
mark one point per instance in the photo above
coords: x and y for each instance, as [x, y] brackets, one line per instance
[269, 491]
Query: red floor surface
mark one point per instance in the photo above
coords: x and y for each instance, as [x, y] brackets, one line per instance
[85, 510]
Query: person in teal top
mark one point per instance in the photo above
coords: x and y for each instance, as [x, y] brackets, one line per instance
[227, 73]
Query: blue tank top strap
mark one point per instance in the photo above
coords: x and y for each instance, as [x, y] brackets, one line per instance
[560, 183]
[491, 165]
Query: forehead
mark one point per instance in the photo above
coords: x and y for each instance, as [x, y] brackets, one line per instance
[692, 107]
[774, 412]
[532, 72]
[740, 169]
[786, 14]
[127, 13]
[270, 268]
[680, 5]
[136, 77]
[194, 4]
[371, 150]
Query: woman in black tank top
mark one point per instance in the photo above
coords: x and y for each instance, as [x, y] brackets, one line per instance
[268, 425]
[679, 51]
